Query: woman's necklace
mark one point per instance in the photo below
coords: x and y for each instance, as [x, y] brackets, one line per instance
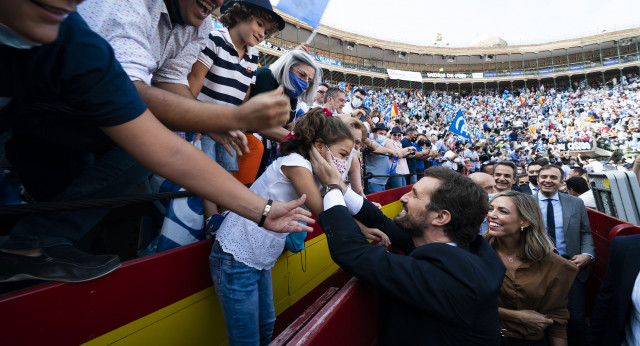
[509, 258]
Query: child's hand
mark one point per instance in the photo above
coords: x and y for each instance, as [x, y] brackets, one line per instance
[303, 47]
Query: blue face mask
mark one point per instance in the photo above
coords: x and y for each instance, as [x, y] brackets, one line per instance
[299, 86]
[13, 39]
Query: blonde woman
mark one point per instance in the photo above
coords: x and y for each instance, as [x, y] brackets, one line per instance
[532, 303]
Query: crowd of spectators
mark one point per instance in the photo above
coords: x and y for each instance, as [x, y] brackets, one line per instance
[519, 126]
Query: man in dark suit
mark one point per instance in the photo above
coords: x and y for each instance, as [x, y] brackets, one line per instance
[567, 225]
[443, 291]
[615, 315]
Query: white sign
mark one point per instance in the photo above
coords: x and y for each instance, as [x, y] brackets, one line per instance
[405, 75]
[477, 75]
[446, 75]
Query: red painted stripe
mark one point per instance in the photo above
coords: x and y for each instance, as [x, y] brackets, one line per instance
[70, 314]
[389, 196]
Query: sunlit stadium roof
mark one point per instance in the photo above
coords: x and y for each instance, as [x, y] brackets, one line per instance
[459, 22]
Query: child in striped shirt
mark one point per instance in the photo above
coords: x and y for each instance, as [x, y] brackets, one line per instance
[226, 69]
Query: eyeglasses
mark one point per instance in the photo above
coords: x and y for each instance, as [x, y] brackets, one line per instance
[396, 135]
[302, 75]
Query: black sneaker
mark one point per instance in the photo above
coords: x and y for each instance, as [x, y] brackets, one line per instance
[57, 263]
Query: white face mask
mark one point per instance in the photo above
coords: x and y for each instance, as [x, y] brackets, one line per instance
[356, 102]
[380, 139]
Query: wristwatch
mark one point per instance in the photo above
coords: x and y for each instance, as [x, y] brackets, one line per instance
[326, 188]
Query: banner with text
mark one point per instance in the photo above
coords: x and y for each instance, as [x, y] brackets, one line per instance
[446, 75]
[325, 60]
[404, 75]
[574, 146]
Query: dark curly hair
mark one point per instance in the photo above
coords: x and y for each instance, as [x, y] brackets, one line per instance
[312, 126]
[465, 200]
[238, 13]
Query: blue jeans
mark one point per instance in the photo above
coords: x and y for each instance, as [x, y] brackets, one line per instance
[60, 158]
[373, 187]
[218, 153]
[398, 181]
[246, 297]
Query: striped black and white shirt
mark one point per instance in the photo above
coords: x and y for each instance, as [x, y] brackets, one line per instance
[229, 77]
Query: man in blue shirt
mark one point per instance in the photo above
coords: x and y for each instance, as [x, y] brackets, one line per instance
[61, 84]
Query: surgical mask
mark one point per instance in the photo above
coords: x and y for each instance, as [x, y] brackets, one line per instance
[356, 102]
[533, 179]
[11, 38]
[340, 163]
[299, 86]
[380, 139]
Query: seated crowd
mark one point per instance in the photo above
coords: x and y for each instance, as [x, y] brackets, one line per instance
[103, 101]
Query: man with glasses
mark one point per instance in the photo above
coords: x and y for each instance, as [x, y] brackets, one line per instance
[357, 99]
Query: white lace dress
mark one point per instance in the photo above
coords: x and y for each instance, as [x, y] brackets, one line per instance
[252, 245]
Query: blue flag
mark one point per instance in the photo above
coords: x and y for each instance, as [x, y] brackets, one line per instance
[540, 147]
[308, 11]
[477, 133]
[459, 126]
[387, 115]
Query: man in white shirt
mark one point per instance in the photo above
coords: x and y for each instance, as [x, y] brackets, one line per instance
[157, 42]
[578, 187]
[357, 99]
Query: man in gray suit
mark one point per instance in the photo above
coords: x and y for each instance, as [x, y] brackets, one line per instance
[567, 225]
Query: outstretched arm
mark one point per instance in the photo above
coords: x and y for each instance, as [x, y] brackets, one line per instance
[170, 156]
[178, 110]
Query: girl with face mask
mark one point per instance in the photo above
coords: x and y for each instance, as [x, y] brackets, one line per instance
[243, 254]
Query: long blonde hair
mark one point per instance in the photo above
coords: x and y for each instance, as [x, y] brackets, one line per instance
[535, 242]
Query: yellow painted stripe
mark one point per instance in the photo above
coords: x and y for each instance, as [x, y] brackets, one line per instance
[197, 319]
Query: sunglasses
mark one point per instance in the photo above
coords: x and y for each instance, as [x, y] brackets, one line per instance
[396, 134]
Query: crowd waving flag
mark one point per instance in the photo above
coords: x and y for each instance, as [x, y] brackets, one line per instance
[308, 11]
[459, 126]
[394, 110]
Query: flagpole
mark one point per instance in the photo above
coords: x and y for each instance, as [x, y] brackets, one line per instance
[313, 34]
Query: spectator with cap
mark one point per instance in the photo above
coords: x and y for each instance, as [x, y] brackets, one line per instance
[577, 186]
[398, 164]
[376, 162]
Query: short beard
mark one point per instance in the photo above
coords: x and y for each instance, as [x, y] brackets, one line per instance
[414, 226]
